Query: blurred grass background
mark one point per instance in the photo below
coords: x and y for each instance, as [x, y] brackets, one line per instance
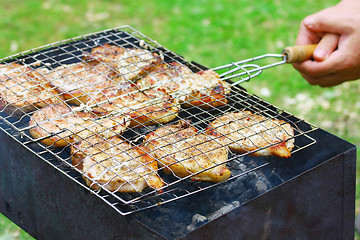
[210, 32]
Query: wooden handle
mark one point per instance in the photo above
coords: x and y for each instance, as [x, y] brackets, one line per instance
[299, 53]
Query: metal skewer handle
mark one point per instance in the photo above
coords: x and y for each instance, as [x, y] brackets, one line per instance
[245, 69]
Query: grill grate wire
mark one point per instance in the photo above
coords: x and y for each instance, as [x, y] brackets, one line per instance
[15, 122]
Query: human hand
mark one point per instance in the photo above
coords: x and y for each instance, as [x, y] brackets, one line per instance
[337, 56]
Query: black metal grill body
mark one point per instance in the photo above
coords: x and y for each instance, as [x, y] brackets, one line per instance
[309, 196]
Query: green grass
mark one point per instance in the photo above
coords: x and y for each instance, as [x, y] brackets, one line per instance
[210, 32]
[10, 231]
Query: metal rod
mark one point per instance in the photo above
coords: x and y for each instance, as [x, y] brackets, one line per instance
[251, 70]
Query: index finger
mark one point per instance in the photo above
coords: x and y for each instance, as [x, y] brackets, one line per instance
[320, 69]
[306, 36]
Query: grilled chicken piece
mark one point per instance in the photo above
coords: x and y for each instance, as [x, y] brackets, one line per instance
[115, 165]
[13, 70]
[77, 80]
[23, 90]
[180, 150]
[245, 132]
[130, 63]
[60, 125]
[144, 107]
[204, 88]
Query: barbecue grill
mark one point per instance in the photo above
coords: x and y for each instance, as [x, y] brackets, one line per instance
[308, 196]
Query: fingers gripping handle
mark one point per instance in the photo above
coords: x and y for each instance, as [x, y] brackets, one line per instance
[299, 53]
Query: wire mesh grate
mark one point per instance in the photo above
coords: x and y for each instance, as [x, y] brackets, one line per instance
[94, 127]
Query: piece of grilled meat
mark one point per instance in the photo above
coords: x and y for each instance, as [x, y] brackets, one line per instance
[144, 107]
[115, 165]
[245, 132]
[23, 89]
[75, 81]
[129, 63]
[13, 70]
[180, 150]
[204, 88]
[60, 125]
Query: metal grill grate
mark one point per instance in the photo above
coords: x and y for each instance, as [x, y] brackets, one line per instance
[16, 118]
